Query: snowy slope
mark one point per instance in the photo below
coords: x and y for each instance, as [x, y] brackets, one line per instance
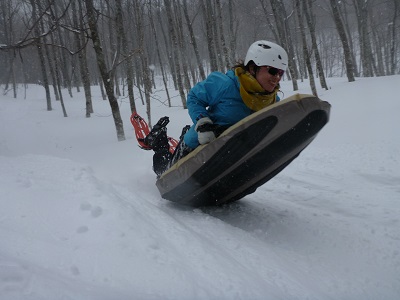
[81, 218]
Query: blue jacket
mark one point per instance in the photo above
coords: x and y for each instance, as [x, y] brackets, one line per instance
[218, 98]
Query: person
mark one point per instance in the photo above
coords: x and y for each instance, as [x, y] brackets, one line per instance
[221, 100]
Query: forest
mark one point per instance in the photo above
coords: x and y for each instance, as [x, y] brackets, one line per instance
[121, 46]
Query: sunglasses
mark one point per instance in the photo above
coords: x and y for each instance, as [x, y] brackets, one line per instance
[275, 71]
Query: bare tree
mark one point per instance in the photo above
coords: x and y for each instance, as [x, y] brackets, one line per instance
[123, 44]
[174, 39]
[207, 13]
[392, 37]
[307, 9]
[285, 37]
[54, 59]
[83, 65]
[45, 80]
[8, 12]
[193, 40]
[143, 57]
[105, 74]
[182, 53]
[344, 12]
[61, 38]
[367, 62]
[219, 20]
[232, 34]
[153, 28]
[306, 53]
[344, 40]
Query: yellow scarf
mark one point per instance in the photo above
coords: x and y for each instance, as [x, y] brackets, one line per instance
[252, 93]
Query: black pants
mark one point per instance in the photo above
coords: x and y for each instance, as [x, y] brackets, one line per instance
[162, 158]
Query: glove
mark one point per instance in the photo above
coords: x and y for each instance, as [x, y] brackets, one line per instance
[204, 131]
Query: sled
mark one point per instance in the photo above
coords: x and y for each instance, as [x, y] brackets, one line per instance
[246, 155]
[142, 130]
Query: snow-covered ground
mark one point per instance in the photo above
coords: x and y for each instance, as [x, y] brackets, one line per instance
[81, 217]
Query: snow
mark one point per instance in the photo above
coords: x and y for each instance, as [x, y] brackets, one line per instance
[81, 217]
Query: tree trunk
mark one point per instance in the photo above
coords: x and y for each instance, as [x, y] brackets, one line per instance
[57, 82]
[168, 48]
[343, 38]
[305, 49]
[221, 34]
[83, 66]
[121, 37]
[343, 12]
[64, 68]
[105, 75]
[281, 21]
[216, 35]
[307, 8]
[175, 52]
[364, 37]
[392, 27]
[209, 35]
[51, 69]
[232, 34]
[182, 53]
[144, 59]
[41, 57]
[159, 54]
[271, 24]
[193, 41]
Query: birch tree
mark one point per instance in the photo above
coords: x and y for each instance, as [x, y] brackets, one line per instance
[308, 12]
[207, 15]
[285, 39]
[157, 43]
[45, 80]
[122, 42]
[105, 74]
[145, 72]
[193, 40]
[306, 53]
[79, 38]
[344, 40]
[174, 39]
[393, 28]
[367, 62]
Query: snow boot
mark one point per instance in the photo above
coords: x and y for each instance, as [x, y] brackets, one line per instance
[157, 140]
[158, 134]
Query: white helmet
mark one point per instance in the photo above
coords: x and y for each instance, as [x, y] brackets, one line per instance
[265, 53]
